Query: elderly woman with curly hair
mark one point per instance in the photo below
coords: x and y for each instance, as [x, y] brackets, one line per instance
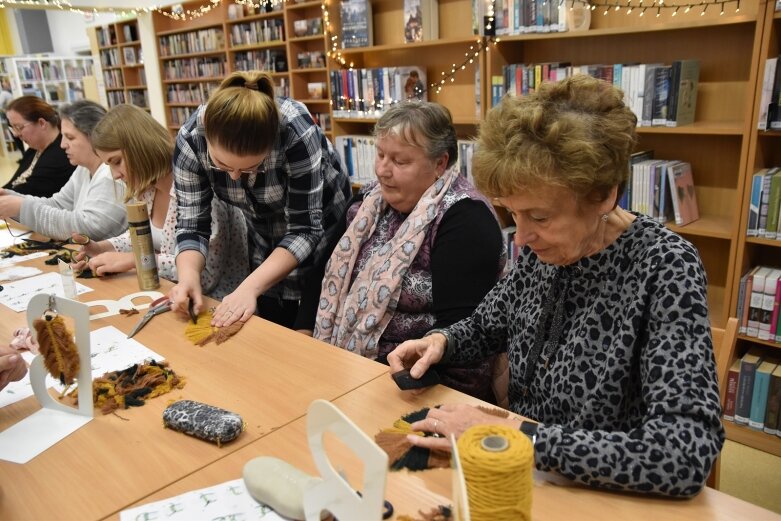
[604, 316]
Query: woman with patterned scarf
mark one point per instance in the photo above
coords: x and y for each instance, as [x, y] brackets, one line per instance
[421, 249]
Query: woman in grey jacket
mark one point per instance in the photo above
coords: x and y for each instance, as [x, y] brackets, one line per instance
[90, 203]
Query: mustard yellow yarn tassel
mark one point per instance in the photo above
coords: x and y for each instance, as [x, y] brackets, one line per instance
[200, 332]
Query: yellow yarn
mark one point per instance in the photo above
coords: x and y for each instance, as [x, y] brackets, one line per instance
[201, 329]
[499, 484]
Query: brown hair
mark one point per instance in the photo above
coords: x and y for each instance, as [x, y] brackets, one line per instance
[421, 124]
[146, 145]
[241, 116]
[33, 108]
[576, 133]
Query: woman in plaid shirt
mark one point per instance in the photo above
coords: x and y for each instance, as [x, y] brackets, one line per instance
[265, 156]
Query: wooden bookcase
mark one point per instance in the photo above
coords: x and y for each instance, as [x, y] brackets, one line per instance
[764, 151]
[122, 63]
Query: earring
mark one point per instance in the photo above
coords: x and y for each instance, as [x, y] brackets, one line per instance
[604, 217]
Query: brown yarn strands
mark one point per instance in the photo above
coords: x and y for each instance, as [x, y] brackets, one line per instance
[202, 332]
[404, 455]
[441, 513]
[499, 483]
[56, 345]
[131, 387]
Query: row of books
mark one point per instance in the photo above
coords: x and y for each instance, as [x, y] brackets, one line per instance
[115, 97]
[113, 79]
[193, 68]
[661, 189]
[522, 16]
[110, 58]
[191, 92]
[367, 93]
[659, 95]
[358, 152]
[140, 98]
[259, 31]
[759, 295]
[179, 115]
[420, 20]
[267, 60]
[203, 40]
[770, 99]
[107, 35]
[753, 396]
[764, 214]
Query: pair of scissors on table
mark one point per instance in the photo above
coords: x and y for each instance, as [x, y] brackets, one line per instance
[157, 307]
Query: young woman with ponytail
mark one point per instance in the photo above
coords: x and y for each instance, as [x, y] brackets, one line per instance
[264, 155]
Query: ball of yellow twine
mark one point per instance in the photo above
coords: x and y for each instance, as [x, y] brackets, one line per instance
[498, 482]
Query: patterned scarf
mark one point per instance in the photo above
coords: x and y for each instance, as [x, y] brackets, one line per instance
[355, 316]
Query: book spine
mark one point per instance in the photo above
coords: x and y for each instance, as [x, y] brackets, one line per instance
[741, 297]
[744, 393]
[747, 303]
[753, 211]
[759, 400]
[773, 205]
[763, 204]
[768, 303]
[757, 296]
[732, 391]
[773, 404]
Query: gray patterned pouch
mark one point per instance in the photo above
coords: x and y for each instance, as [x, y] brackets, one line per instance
[203, 421]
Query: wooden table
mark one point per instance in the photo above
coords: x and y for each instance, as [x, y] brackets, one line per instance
[378, 403]
[266, 373]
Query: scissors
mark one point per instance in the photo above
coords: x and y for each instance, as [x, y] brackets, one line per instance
[157, 307]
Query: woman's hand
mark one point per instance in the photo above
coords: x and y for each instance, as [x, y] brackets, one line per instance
[112, 262]
[91, 249]
[453, 419]
[239, 305]
[181, 294]
[10, 206]
[12, 366]
[418, 355]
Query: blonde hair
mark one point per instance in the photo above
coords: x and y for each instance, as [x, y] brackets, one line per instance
[241, 116]
[576, 133]
[146, 145]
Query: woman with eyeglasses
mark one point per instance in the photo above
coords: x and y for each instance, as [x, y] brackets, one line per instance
[139, 150]
[90, 203]
[265, 156]
[44, 167]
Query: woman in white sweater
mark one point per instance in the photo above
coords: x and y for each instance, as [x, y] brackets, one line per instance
[90, 203]
[139, 151]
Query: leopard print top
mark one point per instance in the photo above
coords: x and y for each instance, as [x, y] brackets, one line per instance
[629, 399]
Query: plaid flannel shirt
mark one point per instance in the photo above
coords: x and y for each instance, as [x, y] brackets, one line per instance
[298, 194]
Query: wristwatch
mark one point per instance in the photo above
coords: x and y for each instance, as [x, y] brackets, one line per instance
[530, 430]
[444, 332]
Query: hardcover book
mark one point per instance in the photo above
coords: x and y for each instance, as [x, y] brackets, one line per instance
[421, 20]
[773, 402]
[356, 23]
[732, 390]
[686, 74]
[760, 395]
[748, 367]
[683, 194]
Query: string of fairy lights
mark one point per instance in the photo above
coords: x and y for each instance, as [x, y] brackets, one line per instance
[482, 44]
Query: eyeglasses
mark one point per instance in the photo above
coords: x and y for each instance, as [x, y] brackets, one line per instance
[17, 129]
[210, 163]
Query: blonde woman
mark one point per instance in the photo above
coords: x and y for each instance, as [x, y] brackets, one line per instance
[139, 150]
[265, 156]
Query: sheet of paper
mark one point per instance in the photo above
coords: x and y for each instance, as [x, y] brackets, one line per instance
[18, 272]
[110, 349]
[16, 295]
[9, 239]
[26, 439]
[16, 259]
[229, 500]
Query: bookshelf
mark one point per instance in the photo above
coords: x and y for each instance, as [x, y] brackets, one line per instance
[122, 64]
[764, 151]
[56, 79]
